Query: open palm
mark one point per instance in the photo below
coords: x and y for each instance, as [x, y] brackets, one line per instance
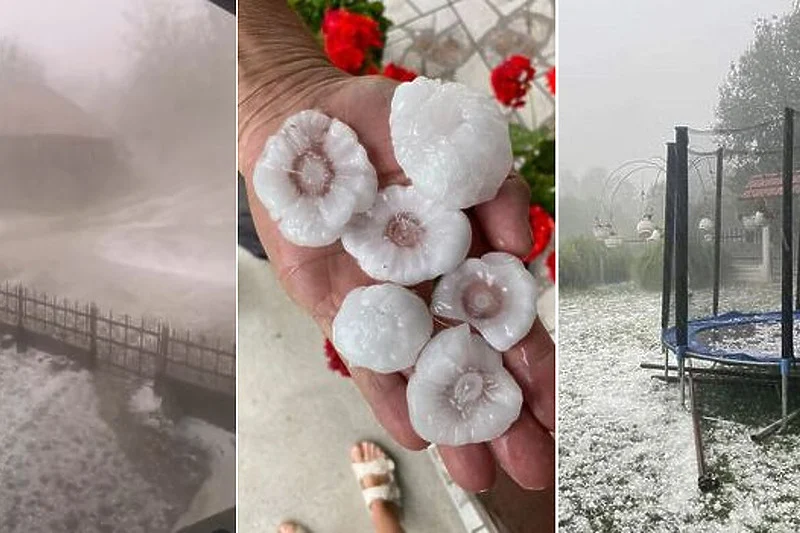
[318, 279]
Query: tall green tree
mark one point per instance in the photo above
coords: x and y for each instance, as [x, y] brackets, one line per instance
[764, 80]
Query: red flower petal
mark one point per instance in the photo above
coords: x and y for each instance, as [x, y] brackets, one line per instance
[335, 362]
[348, 37]
[551, 266]
[551, 80]
[398, 73]
[346, 57]
[542, 227]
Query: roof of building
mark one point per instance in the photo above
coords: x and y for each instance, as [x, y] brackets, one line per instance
[31, 108]
[768, 186]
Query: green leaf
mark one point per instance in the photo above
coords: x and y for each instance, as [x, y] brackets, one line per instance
[535, 155]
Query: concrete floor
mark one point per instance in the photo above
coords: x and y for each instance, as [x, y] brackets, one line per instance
[297, 421]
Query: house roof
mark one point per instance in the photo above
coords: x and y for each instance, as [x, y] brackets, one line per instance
[768, 186]
[28, 108]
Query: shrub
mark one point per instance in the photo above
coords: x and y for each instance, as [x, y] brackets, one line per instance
[648, 270]
[584, 262]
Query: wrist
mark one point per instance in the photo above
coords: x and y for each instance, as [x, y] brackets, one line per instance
[282, 70]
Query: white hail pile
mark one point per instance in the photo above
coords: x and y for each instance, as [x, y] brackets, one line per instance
[452, 143]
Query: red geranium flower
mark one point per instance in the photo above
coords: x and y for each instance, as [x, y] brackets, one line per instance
[551, 266]
[346, 57]
[511, 80]
[348, 37]
[551, 80]
[398, 73]
[542, 227]
[335, 362]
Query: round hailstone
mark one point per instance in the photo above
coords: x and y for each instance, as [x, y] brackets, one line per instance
[459, 392]
[312, 176]
[451, 141]
[406, 238]
[382, 327]
[495, 293]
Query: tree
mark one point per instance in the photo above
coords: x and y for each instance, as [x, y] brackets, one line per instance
[18, 65]
[764, 80]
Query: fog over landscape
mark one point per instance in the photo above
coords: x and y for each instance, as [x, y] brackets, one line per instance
[118, 137]
[629, 72]
[117, 188]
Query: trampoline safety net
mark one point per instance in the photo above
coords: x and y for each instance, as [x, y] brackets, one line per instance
[731, 266]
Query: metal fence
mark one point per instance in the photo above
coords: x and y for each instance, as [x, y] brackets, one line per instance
[146, 347]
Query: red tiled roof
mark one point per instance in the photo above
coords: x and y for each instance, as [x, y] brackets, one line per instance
[768, 186]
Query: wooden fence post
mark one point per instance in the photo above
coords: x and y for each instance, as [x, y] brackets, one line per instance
[22, 345]
[20, 306]
[163, 351]
[92, 335]
[125, 342]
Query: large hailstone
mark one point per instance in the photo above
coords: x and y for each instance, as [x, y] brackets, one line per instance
[495, 294]
[406, 238]
[459, 392]
[451, 141]
[312, 176]
[382, 327]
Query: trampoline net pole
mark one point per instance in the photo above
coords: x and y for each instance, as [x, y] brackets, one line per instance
[787, 291]
[669, 238]
[681, 235]
[681, 251]
[717, 231]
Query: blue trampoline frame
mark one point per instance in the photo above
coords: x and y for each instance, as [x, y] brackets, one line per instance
[698, 350]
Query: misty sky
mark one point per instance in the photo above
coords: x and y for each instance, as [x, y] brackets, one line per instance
[630, 70]
[79, 38]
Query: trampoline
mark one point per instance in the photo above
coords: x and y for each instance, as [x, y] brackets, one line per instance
[760, 343]
[754, 341]
[733, 338]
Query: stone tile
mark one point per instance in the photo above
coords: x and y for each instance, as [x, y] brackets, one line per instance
[399, 12]
[477, 16]
[475, 73]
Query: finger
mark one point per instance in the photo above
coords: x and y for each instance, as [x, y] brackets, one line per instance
[374, 93]
[532, 362]
[527, 453]
[505, 219]
[386, 395]
[480, 244]
[471, 466]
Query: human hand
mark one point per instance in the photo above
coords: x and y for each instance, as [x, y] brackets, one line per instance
[318, 279]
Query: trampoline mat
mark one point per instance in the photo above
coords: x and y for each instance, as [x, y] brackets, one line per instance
[752, 338]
